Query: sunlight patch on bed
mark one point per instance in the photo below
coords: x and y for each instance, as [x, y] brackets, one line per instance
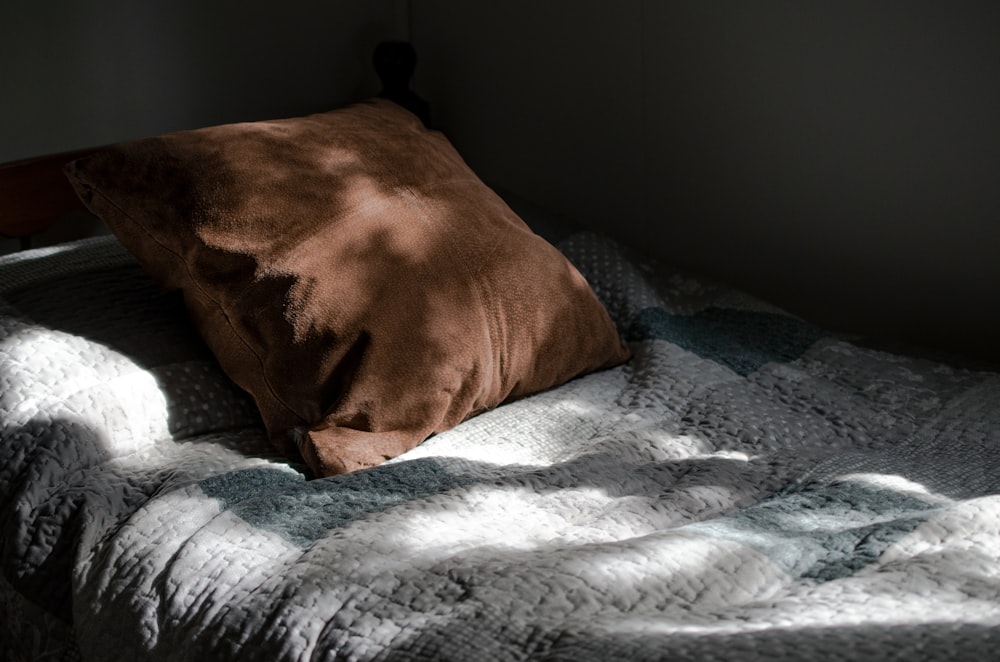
[135, 409]
[519, 434]
[896, 483]
[568, 422]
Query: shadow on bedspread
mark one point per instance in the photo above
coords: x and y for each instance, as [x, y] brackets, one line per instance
[774, 579]
[640, 640]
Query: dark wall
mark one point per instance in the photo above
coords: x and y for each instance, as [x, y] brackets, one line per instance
[841, 159]
[76, 74]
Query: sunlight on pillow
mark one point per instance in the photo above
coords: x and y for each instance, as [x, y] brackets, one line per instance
[352, 274]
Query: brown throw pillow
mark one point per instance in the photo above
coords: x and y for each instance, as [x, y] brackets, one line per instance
[351, 273]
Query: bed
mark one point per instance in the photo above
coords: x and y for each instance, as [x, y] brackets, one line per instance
[702, 476]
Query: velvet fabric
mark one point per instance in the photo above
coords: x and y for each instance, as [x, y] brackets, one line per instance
[351, 273]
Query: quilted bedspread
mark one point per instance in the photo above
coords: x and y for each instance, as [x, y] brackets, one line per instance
[747, 487]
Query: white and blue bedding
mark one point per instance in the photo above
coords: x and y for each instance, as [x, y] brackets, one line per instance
[746, 487]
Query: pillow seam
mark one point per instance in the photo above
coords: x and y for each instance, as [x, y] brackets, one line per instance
[219, 306]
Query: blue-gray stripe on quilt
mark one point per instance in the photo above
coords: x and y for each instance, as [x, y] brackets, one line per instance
[743, 340]
[303, 511]
[822, 532]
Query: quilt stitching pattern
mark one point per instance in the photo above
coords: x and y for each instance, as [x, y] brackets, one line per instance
[798, 497]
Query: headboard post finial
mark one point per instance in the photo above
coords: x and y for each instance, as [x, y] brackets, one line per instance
[395, 62]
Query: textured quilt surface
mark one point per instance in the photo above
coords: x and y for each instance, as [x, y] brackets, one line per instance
[747, 487]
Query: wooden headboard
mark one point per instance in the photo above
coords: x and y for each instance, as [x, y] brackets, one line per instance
[34, 193]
